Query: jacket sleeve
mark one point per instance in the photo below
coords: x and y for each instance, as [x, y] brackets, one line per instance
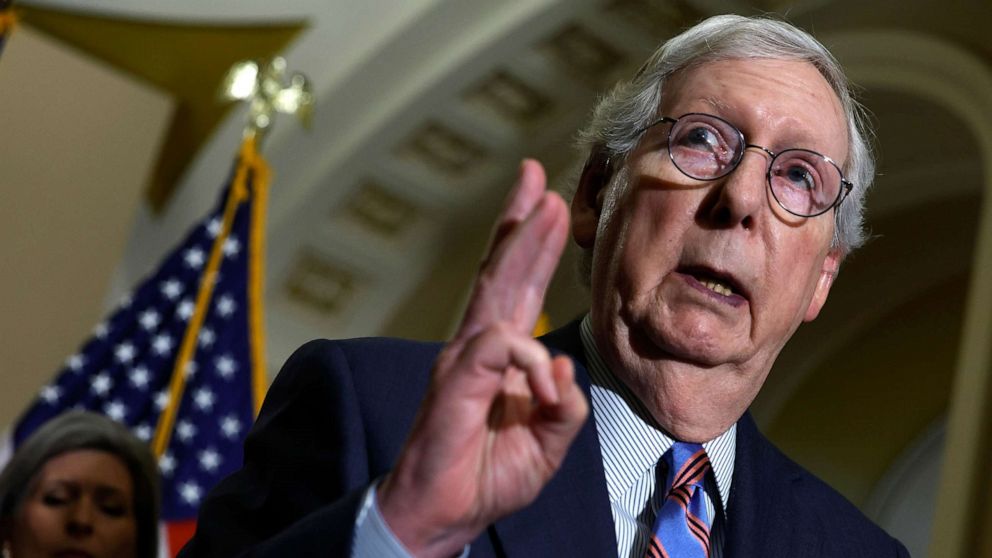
[305, 468]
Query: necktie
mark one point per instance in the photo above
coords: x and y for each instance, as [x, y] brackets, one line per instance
[681, 529]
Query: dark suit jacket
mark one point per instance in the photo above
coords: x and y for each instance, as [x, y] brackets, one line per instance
[336, 417]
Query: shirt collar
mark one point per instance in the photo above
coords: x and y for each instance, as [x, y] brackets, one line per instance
[632, 441]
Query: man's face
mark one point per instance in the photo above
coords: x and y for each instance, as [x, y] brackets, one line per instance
[672, 246]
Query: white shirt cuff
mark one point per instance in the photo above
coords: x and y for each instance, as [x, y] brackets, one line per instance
[373, 538]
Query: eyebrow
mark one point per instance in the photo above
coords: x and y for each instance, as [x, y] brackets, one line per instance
[100, 489]
[794, 138]
[716, 103]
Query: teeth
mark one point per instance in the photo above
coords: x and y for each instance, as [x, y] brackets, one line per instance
[717, 287]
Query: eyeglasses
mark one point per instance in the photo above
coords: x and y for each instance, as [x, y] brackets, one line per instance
[706, 147]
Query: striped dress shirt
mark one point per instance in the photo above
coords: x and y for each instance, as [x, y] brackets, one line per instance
[632, 445]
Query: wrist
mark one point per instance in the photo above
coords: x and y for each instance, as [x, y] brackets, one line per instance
[424, 532]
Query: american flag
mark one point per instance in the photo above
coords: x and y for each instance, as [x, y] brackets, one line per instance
[126, 369]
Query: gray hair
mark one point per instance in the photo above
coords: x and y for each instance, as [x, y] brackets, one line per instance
[617, 120]
[80, 430]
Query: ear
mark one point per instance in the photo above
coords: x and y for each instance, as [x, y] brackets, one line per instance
[587, 204]
[831, 265]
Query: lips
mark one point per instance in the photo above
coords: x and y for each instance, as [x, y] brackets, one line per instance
[719, 282]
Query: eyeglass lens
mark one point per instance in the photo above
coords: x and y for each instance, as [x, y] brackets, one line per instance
[705, 147]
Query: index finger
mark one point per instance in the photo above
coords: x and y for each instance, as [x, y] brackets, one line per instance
[521, 200]
[511, 284]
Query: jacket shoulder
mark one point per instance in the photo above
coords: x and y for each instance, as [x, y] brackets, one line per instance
[814, 505]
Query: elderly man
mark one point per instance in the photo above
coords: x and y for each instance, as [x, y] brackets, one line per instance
[723, 188]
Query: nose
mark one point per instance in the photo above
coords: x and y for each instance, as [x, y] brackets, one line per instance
[79, 522]
[741, 194]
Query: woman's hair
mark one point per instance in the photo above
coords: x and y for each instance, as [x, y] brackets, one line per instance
[81, 430]
[621, 115]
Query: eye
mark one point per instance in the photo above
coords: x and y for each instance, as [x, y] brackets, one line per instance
[54, 500]
[800, 177]
[799, 170]
[50, 500]
[700, 137]
[113, 509]
[703, 146]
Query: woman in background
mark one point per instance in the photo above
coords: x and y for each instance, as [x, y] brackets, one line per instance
[83, 486]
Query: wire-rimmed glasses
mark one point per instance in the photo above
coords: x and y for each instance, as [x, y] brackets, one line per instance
[706, 147]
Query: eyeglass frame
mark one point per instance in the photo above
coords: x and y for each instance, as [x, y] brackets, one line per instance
[845, 185]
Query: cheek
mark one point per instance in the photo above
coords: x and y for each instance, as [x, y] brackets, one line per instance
[654, 234]
[123, 539]
[792, 297]
[38, 528]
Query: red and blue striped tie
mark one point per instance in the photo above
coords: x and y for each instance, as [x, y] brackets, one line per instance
[681, 529]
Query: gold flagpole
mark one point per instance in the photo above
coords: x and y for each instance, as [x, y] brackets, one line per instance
[265, 88]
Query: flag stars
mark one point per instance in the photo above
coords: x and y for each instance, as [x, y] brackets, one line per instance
[76, 362]
[226, 366]
[101, 384]
[167, 464]
[143, 432]
[190, 492]
[125, 301]
[51, 394]
[115, 410]
[162, 400]
[171, 289]
[206, 337]
[204, 399]
[149, 320]
[213, 227]
[190, 369]
[184, 311]
[226, 306]
[125, 352]
[139, 377]
[209, 460]
[194, 258]
[162, 344]
[231, 247]
[230, 426]
[101, 330]
[185, 431]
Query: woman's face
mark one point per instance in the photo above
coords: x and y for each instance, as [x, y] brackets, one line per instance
[81, 505]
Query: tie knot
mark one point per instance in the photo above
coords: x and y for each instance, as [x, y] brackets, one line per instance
[687, 465]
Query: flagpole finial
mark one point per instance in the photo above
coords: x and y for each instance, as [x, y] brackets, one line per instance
[268, 90]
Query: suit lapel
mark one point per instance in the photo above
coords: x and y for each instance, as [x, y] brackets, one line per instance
[764, 518]
[571, 516]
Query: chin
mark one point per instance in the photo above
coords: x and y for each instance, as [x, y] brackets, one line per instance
[693, 345]
[661, 329]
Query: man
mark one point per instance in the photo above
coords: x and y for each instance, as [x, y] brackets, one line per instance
[723, 188]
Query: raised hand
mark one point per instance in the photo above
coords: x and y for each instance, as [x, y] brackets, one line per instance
[500, 413]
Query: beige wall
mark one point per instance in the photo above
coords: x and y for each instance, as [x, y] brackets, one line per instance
[67, 200]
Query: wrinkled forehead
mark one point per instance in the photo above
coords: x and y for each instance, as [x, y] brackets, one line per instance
[785, 102]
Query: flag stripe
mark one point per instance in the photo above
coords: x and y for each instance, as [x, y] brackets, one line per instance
[178, 533]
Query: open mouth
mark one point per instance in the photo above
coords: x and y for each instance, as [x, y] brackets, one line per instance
[717, 282]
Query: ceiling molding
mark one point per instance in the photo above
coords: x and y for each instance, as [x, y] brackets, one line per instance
[924, 65]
